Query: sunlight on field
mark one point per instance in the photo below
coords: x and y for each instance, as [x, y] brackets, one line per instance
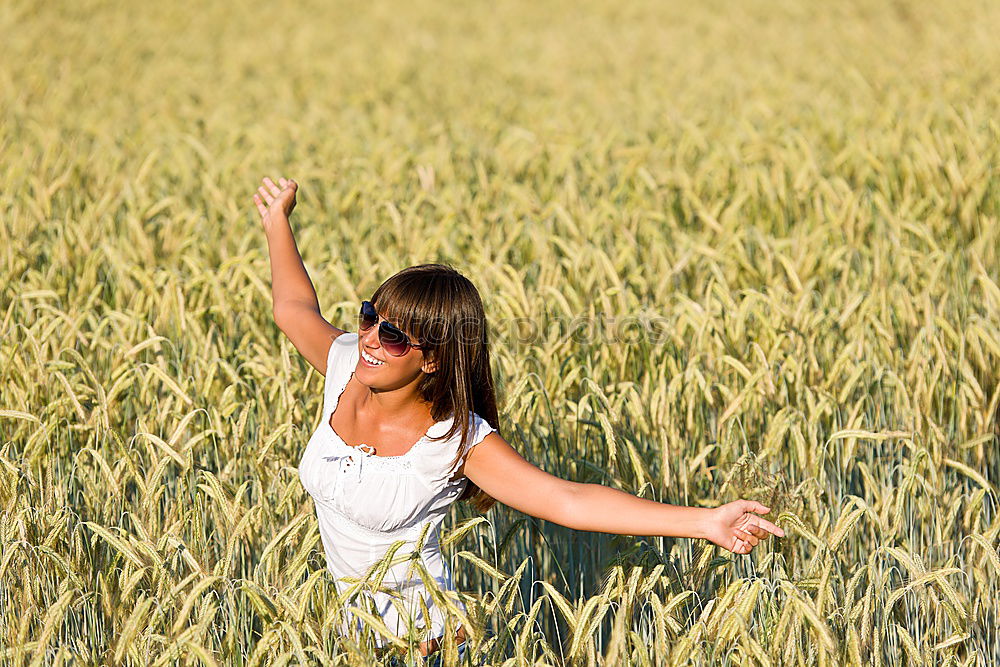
[802, 198]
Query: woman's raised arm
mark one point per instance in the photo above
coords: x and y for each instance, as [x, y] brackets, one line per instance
[294, 303]
[500, 471]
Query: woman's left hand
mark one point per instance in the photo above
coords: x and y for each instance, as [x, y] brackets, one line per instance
[735, 526]
[275, 201]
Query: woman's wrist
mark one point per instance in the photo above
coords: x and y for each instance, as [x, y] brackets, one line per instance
[277, 225]
[700, 530]
[690, 522]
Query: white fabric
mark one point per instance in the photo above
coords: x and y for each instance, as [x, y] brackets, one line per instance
[364, 502]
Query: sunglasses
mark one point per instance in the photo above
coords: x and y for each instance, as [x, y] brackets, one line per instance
[392, 340]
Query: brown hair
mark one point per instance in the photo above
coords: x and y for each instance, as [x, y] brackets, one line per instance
[442, 309]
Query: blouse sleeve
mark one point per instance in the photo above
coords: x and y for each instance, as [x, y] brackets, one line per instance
[480, 429]
[341, 359]
[434, 465]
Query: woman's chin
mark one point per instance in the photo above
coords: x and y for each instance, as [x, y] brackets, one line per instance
[372, 377]
[362, 372]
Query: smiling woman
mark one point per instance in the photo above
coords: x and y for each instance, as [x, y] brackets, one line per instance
[410, 425]
[366, 499]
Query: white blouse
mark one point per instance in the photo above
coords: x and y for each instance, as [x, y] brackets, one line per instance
[365, 502]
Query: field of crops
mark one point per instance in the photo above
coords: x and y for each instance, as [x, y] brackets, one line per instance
[726, 249]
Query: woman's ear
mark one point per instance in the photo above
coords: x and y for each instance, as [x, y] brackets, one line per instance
[430, 365]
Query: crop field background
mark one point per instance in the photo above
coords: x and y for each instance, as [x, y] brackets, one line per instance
[726, 249]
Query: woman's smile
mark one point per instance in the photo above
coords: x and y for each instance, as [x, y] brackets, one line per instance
[369, 360]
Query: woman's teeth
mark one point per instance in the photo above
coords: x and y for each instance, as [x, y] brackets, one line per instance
[370, 359]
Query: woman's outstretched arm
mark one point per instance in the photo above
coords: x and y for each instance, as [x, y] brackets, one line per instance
[734, 526]
[294, 303]
[500, 471]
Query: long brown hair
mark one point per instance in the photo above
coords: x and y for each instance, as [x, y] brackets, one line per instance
[442, 310]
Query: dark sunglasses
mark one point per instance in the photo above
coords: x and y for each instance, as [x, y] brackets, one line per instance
[392, 340]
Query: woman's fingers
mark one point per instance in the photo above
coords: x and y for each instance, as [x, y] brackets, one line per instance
[749, 529]
[747, 537]
[754, 506]
[272, 186]
[270, 192]
[752, 521]
[769, 527]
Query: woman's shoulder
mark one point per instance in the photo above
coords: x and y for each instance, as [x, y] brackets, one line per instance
[341, 360]
[343, 350]
[344, 343]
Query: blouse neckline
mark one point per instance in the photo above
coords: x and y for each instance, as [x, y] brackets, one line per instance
[336, 436]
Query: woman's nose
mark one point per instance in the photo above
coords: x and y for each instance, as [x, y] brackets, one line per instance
[370, 337]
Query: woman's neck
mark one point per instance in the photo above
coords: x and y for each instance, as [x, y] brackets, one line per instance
[404, 403]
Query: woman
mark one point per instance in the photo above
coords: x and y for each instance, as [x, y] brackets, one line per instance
[410, 425]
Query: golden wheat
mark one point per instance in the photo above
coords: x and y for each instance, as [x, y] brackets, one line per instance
[800, 201]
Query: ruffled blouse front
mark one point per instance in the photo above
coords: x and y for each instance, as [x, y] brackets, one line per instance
[365, 502]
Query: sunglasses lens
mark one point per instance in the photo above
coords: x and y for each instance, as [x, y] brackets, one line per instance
[393, 340]
[367, 317]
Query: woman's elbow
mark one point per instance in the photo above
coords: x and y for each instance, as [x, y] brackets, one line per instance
[283, 316]
[563, 506]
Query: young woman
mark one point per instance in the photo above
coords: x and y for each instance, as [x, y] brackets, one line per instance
[410, 425]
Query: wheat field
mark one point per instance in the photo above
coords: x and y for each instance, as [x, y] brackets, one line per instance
[797, 202]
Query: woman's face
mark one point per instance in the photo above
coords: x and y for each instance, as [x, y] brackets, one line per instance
[387, 371]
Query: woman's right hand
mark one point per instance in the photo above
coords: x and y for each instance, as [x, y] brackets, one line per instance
[275, 201]
[735, 526]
